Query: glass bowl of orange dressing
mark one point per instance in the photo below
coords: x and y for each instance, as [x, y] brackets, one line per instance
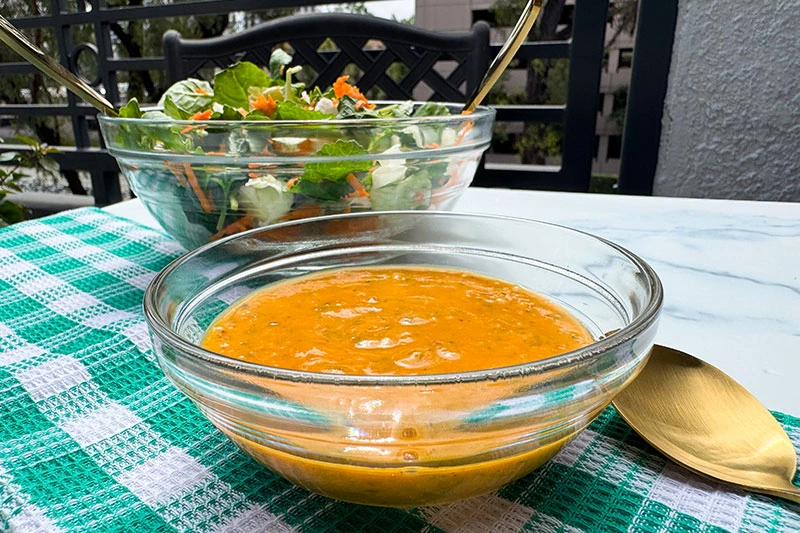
[404, 358]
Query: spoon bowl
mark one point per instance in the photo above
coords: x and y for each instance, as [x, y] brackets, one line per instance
[701, 418]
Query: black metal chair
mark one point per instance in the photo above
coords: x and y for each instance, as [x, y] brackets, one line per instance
[418, 49]
[642, 129]
[652, 54]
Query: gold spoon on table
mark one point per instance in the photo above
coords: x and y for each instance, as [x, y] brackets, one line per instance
[701, 418]
[21, 45]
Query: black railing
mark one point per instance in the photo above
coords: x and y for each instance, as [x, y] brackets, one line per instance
[102, 168]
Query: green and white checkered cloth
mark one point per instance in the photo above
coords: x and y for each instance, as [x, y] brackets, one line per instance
[94, 438]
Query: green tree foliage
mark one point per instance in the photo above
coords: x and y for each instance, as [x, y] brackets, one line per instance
[37, 159]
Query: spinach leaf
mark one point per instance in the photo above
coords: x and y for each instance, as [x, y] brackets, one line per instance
[131, 109]
[326, 191]
[431, 109]
[336, 171]
[277, 61]
[227, 113]
[295, 111]
[190, 96]
[347, 109]
[231, 85]
[172, 110]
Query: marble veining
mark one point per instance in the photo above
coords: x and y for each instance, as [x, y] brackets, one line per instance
[730, 269]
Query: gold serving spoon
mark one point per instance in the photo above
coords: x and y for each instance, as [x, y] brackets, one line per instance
[701, 418]
[506, 54]
[21, 45]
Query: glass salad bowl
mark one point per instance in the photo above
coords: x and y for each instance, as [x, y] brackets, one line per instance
[407, 440]
[206, 179]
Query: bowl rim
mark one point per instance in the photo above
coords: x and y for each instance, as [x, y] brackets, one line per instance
[646, 318]
[481, 112]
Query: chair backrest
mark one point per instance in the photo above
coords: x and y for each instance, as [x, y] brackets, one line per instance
[355, 38]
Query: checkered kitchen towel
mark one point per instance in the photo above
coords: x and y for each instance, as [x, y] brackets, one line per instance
[94, 438]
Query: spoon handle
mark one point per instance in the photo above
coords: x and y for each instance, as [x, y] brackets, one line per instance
[506, 54]
[21, 45]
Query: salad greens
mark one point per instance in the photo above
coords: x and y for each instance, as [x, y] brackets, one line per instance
[360, 168]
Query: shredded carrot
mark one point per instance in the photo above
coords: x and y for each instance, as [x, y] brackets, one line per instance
[177, 172]
[356, 185]
[267, 106]
[464, 133]
[292, 182]
[341, 88]
[187, 129]
[431, 145]
[244, 223]
[305, 211]
[216, 153]
[202, 115]
[254, 175]
[200, 90]
[205, 202]
[253, 165]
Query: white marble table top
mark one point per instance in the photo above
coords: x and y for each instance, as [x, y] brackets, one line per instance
[730, 269]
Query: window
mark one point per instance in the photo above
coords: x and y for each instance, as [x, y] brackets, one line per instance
[483, 14]
[614, 147]
[596, 146]
[625, 58]
[605, 61]
[620, 100]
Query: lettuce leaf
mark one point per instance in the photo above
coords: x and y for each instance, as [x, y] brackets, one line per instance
[401, 110]
[414, 192]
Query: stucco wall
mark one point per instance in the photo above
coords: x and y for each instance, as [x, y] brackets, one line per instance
[732, 112]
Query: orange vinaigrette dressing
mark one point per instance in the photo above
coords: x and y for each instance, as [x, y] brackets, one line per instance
[399, 321]
[394, 321]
